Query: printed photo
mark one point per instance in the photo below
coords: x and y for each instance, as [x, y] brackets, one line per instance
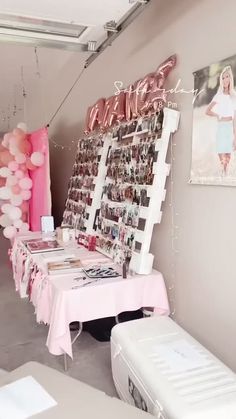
[214, 125]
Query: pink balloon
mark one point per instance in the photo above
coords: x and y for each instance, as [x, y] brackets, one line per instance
[2, 182]
[16, 189]
[25, 147]
[12, 140]
[13, 166]
[24, 206]
[20, 158]
[30, 165]
[2, 148]
[23, 167]
[19, 136]
[12, 180]
[25, 183]
[6, 157]
[25, 194]
[14, 150]
[19, 174]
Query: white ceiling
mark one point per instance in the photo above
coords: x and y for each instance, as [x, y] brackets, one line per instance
[86, 12]
[91, 13]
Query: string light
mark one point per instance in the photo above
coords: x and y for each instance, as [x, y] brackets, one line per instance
[174, 233]
[64, 147]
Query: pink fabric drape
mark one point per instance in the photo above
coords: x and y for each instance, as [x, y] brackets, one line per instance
[40, 202]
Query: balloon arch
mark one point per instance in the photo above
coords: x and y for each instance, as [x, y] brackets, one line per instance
[16, 163]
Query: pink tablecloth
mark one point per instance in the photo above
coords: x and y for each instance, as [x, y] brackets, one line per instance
[58, 304]
[105, 298]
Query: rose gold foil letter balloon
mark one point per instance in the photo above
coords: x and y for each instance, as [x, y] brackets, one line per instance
[134, 99]
[167, 65]
[106, 113]
[93, 118]
[117, 110]
[121, 106]
[157, 95]
[147, 102]
[142, 89]
[87, 119]
[128, 98]
[100, 104]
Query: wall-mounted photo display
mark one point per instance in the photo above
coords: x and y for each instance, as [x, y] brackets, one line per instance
[82, 183]
[129, 174]
[214, 125]
[117, 188]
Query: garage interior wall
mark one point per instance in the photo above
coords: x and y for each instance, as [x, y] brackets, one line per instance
[201, 272]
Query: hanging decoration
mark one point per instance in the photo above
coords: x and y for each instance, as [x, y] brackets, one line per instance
[143, 96]
[16, 164]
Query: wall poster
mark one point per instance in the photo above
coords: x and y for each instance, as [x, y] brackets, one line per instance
[214, 125]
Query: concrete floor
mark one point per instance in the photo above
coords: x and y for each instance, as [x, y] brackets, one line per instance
[23, 340]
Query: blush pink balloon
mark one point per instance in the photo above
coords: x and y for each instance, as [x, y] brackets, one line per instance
[2, 182]
[13, 141]
[20, 158]
[23, 167]
[15, 189]
[24, 206]
[19, 174]
[25, 147]
[2, 148]
[6, 157]
[25, 183]
[12, 180]
[13, 166]
[30, 165]
[19, 133]
[25, 194]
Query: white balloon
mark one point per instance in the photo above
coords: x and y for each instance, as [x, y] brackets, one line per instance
[23, 126]
[18, 223]
[15, 213]
[24, 228]
[5, 221]
[5, 192]
[37, 158]
[16, 200]
[5, 172]
[9, 232]
[6, 208]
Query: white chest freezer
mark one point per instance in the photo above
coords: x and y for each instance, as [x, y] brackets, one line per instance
[160, 368]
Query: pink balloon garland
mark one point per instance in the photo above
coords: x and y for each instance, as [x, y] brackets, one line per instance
[16, 160]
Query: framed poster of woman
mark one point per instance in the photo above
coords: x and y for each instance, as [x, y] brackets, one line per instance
[214, 125]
